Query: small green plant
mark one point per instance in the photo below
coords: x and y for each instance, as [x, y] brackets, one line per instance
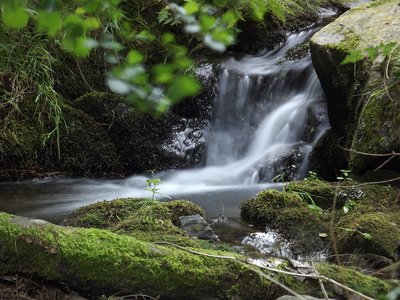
[307, 198]
[344, 174]
[152, 186]
[366, 235]
[312, 176]
[348, 205]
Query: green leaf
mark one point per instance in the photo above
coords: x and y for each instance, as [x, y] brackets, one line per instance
[167, 38]
[163, 73]
[353, 57]
[15, 17]
[181, 87]
[223, 36]
[145, 36]
[206, 22]
[49, 22]
[367, 236]
[229, 18]
[191, 7]
[346, 210]
[134, 57]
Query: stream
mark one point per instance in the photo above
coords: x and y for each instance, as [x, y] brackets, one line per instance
[269, 112]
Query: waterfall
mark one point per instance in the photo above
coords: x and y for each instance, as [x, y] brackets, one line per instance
[268, 113]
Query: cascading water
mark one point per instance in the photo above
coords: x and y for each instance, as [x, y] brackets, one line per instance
[268, 113]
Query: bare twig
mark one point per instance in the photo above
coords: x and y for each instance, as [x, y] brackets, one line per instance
[371, 154]
[321, 283]
[384, 163]
[376, 182]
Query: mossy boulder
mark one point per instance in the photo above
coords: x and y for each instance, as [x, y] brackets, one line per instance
[368, 285]
[370, 233]
[289, 214]
[363, 105]
[147, 219]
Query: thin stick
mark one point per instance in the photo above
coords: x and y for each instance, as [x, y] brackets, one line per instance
[321, 283]
[371, 154]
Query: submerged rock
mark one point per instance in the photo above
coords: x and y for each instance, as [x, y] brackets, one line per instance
[196, 226]
[363, 97]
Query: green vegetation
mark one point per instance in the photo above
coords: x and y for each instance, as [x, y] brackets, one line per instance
[145, 219]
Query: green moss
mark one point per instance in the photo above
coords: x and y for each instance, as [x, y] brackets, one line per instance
[287, 213]
[179, 208]
[106, 214]
[368, 285]
[98, 258]
[378, 128]
[322, 192]
[384, 230]
[145, 219]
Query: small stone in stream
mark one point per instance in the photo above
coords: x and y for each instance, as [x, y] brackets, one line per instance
[196, 226]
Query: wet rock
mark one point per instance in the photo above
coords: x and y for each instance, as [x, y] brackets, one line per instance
[269, 242]
[286, 166]
[197, 226]
[363, 105]
[327, 158]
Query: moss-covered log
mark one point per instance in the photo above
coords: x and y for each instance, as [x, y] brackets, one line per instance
[98, 260]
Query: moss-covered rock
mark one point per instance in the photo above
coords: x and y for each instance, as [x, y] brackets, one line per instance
[106, 214]
[363, 114]
[368, 285]
[146, 219]
[288, 213]
[85, 148]
[370, 233]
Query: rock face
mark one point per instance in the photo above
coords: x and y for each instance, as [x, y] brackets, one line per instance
[363, 97]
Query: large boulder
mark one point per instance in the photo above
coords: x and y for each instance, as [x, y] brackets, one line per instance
[363, 97]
